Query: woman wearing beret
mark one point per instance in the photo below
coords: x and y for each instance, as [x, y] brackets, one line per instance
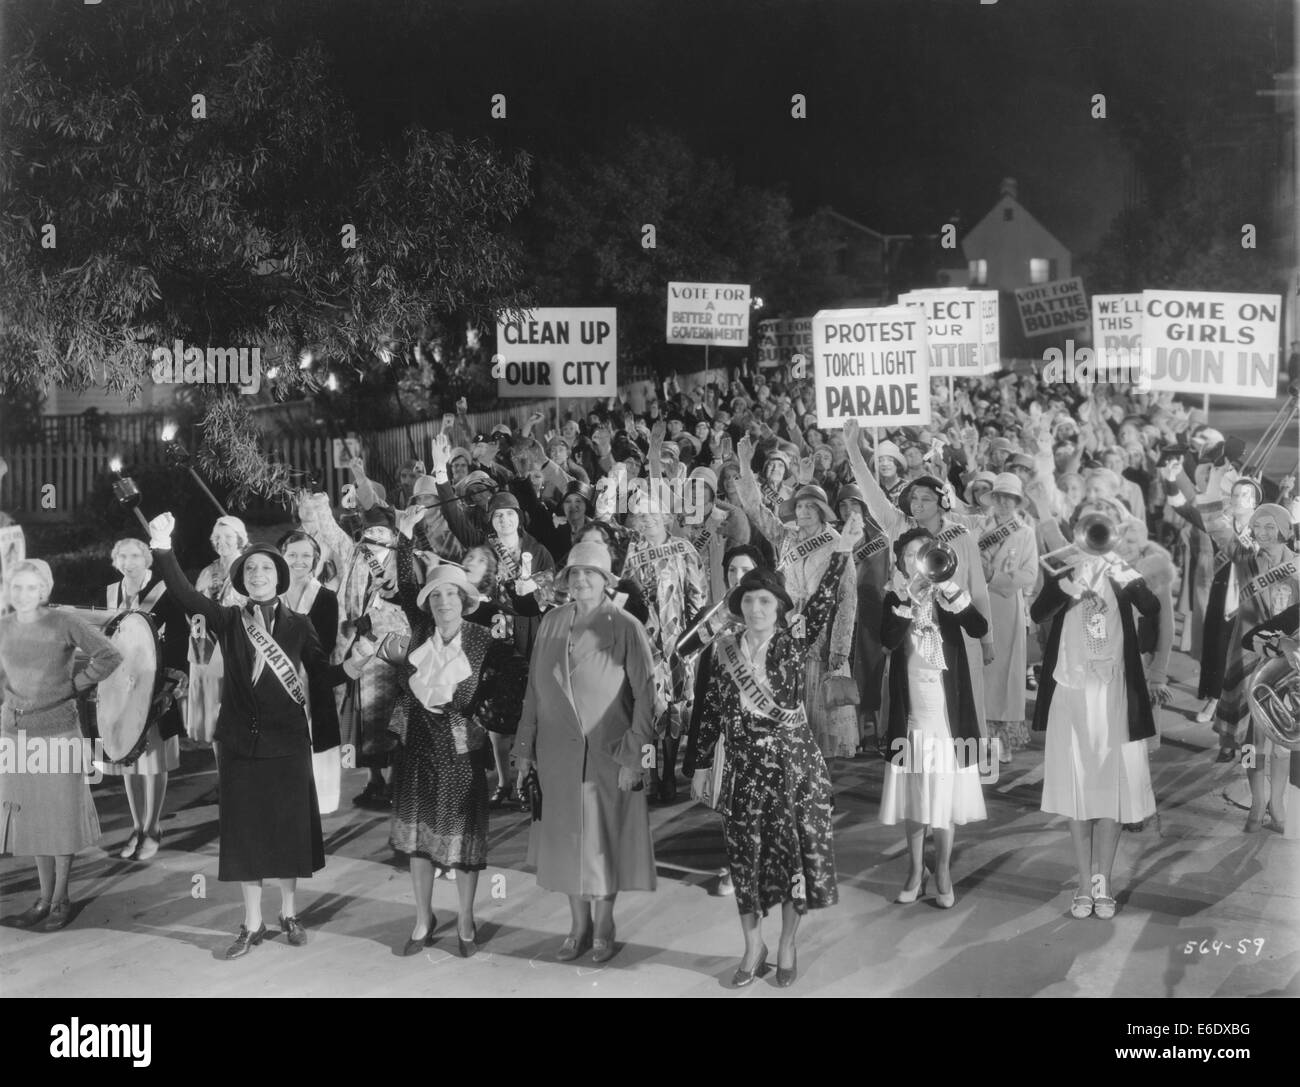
[1094, 705]
[587, 728]
[933, 777]
[48, 815]
[145, 779]
[458, 682]
[775, 794]
[270, 819]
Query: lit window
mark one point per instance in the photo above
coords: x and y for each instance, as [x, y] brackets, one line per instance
[979, 271]
[1040, 270]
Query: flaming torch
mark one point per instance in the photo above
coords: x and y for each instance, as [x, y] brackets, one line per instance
[180, 457]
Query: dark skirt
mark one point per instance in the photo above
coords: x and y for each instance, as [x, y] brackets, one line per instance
[440, 797]
[270, 821]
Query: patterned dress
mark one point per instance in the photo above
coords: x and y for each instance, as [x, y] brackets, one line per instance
[440, 791]
[673, 581]
[775, 799]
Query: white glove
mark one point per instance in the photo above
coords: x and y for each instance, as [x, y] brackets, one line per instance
[1071, 587]
[160, 532]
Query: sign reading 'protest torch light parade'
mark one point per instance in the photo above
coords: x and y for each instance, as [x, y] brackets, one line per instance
[558, 352]
[872, 365]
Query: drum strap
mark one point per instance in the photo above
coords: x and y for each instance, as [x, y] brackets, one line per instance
[147, 604]
[269, 652]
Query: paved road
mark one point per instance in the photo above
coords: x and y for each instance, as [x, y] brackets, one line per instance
[1190, 875]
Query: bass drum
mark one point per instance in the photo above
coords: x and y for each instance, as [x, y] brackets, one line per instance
[119, 710]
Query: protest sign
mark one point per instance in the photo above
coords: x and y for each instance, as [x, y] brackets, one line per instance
[558, 352]
[1117, 326]
[780, 339]
[1053, 307]
[872, 365]
[990, 331]
[952, 330]
[1212, 342]
[704, 314]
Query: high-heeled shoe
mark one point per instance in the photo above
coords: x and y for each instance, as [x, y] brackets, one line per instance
[743, 977]
[602, 949]
[1258, 822]
[59, 918]
[785, 978]
[905, 896]
[467, 947]
[149, 846]
[132, 844]
[573, 946]
[944, 899]
[416, 944]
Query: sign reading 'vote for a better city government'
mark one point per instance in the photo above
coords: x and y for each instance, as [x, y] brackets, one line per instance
[709, 313]
[558, 352]
[872, 365]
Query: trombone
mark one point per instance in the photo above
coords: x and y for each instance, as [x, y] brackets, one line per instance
[1094, 537]
[707, 629]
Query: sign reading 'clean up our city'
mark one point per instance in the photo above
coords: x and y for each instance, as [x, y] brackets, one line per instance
[558, 352]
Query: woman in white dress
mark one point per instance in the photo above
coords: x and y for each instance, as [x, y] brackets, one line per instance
[935, 749]
[1095, 707]
[229, 537]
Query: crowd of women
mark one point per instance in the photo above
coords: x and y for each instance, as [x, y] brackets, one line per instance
[539, 618]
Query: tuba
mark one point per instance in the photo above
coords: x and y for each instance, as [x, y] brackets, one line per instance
[1274, 695]
[1094, 536]
[707, 629]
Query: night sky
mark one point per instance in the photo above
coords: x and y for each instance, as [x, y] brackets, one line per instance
[916, 108]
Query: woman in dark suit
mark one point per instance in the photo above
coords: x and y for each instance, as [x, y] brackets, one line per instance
[270, 820]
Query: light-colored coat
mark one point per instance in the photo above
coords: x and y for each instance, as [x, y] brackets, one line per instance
[583, 719]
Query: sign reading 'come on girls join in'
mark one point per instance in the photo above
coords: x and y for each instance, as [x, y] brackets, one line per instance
[872, 365]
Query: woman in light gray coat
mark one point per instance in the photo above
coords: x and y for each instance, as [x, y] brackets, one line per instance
[587, 727]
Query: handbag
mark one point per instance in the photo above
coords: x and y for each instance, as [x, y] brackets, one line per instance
[533, 793]
[839, 691]
[714, 787]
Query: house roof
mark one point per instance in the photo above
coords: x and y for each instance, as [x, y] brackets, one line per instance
[989, 234]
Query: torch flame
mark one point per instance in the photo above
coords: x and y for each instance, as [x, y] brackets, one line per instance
[169, 432]
[116, 464]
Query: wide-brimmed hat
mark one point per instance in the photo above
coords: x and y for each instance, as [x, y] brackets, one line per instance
[282, 577]
[986, 477]
[503, 500]
[1021, 460]
[1005, 445]
[760, 578]
[588, 555]
[809, 492]
[448, 574]
[1006, 483]
[585, 491]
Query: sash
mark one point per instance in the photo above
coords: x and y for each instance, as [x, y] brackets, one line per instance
[790, 555]
[950, 533]
[654, 554]
[269, 652]
[702, 540]
[507, 564]
[870, 549]
[376, 567]
[990, 540]
[754, 696]
[1286, 571]
[145, 605]
[770, 497]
